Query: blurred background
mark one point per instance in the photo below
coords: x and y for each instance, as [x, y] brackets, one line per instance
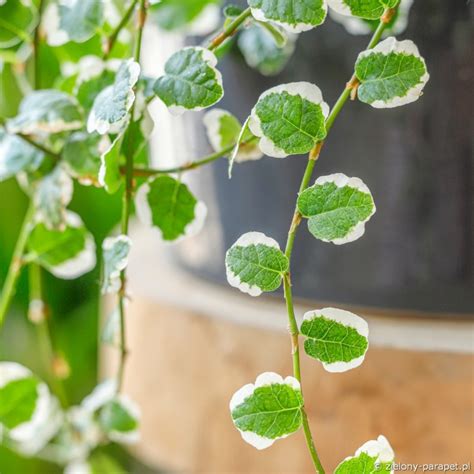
[411, 275]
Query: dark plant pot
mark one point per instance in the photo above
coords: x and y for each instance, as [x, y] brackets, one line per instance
[417, 253]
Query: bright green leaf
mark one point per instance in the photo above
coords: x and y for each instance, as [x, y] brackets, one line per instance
[337, 208]
[18, 19]
[166, 204]
[17, 155]
[337, 338]
[111, 106]
[268, 410]
[295, 15]
[109, 172]
[47, 111]
[289, 119]
[375, 456]
[115, 255]
[51, 196]
[191, 80]
[119, 419]
[369, 9]
[66, 254]
[391, 74]
[255, 264]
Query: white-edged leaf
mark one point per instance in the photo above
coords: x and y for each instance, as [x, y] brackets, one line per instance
[168, 205]
[255, 264]
[81, 155]
[115, 252]
[337, 338]
[369, 9]
[109, 172]
[289, 119]
[337, 208]
[47, 111]
[372, 457]
[29, 415]
[268, 410]
[103, 393]
[111, 106]
[119, 419]
[17, 155]
[293, 15]
[80, 19]
[262, 53]
[191, 81]
[391, 74]
[111, 329]
[18, 19]
[51, 197]
[66, 254]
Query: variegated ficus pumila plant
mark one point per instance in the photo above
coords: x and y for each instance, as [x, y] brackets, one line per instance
[93, 129]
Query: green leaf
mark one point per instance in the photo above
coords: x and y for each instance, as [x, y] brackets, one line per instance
[337, 338]
[80, 19]
[391, 74]
[255, 264]
[66, 254]
[191, 81]
[81, 155]
[115, 255]
[262, 53]
[293, 15]
[176, 14]
[268, 410]
[17, 22]
[166, 204]
[375, 456]
[109, 173]
[111, 106]
[51, 197]
[337, 208]
[46, 111]
[289, 119]
[369, 9]
[29, 415]
[17, 155]
[119, 419]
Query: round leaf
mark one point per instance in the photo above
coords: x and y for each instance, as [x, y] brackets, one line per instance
[255, 264]
[337, 208]
[337, 338]
[289, 119]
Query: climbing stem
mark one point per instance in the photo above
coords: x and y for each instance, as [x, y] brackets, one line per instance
[350, 90]
[229, 30]
[16, 263]
[127, 207]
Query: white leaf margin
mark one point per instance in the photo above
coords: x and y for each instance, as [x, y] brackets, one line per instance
[345, 318]
[144, 214]
[31, 436]
[296, 28]
[306, 90]
[132, 436]
[246, 240]
[409, 48]
[113, 279]
[239, 397]
[341, 181]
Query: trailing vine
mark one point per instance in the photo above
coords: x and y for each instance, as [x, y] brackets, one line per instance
[93, 128]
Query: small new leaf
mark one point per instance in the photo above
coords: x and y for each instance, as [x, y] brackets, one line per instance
[373, 457]
[191, 81]
[115, 255]
[166, 204]
[295, 15]
[66, 254]
[391, 74]
[289, 119]
[337, 208]
[111, 106]
[337, 338]
[119, 418]
[268, 410]
[255, 264]
[368, 9]
[46, 111]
